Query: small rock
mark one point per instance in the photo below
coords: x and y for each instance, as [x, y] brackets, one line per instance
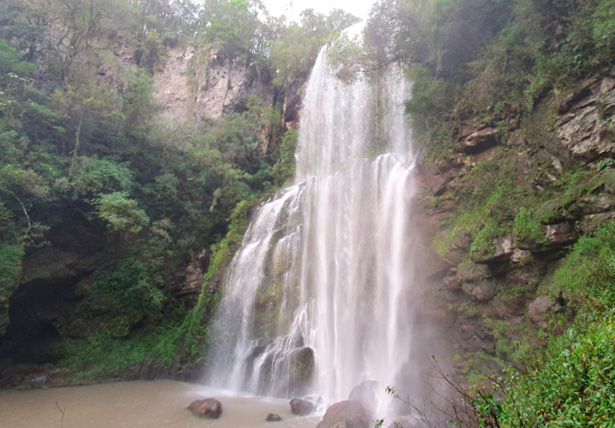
[482, 292]
[272, 417]
[521, 257]
[515, 141]
[451, 283]
[301, 407]
[206, 408]
[470, 272]
[561, 234]
[538, 310]
[607, 84]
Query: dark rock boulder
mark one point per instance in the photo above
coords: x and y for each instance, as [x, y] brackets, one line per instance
[301, 407]
[272, 417]
[301, 368]
[480, 140]
[345, 414]
[206, 408]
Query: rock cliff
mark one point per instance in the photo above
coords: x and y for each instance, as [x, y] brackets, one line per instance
[502, 216]
[202, 85]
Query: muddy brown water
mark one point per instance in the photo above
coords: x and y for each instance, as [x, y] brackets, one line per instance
[158, 404]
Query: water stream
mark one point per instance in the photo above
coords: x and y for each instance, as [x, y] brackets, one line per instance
[320, 296]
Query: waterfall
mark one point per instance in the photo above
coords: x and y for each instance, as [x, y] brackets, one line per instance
[319, 298]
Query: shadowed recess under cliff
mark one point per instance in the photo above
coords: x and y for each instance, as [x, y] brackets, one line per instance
[321, 295]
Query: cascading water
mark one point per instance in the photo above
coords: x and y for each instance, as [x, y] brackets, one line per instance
[320, 296]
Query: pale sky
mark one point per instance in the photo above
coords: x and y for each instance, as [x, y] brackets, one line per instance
[292, 8]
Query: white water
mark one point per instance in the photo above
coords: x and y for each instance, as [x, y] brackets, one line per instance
[326, 269]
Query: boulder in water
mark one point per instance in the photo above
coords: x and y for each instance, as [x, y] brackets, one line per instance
[301, 407]
[272, 417]
[345, 414]
[206, 408]
[365, 393]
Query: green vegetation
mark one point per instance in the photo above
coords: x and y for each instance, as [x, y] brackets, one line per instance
[515, 66]
[569, 383]
[527, 230]
[573, 382]
[485, 201]
[86, 164]
[488, 60]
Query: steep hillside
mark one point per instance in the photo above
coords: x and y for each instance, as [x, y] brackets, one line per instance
[513, 105]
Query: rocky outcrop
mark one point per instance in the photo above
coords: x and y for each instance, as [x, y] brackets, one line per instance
[190, 286]
[495, 292]
[292, 104]
[46, 290]
[301, 407]
[209, 408]
[479, 140]
[203, 85]
[584, 126]
[345, 414]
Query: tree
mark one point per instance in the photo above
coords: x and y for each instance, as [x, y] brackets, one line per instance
[230, 25]
[122, 214]
[295, 52]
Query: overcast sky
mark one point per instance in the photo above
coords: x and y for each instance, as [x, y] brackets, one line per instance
[292, 8]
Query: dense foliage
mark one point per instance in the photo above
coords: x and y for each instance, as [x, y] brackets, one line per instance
[510, 65]
[571, 383]
[83, 156]
[489, 60]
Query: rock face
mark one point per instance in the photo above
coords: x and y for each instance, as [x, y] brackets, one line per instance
[206, 408]
[46, 290]
[345, 414]
[493, 292]
[584, 125]
[292, 104]
[479, 140]
[301, 407]
[202, 85]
